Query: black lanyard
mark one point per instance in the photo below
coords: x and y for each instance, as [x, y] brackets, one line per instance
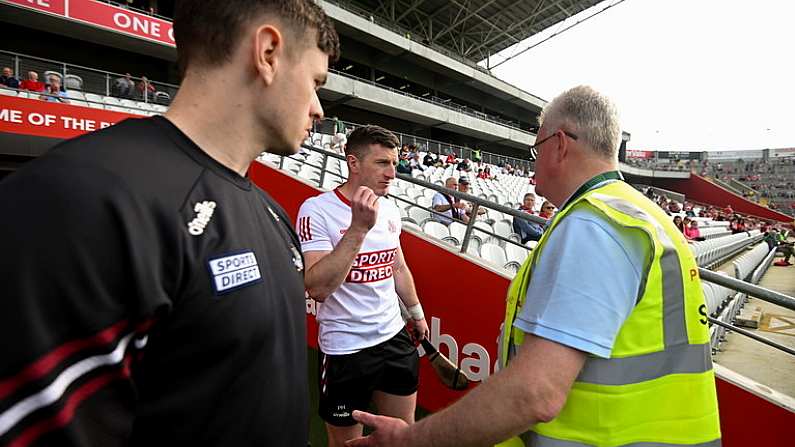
[587, 186]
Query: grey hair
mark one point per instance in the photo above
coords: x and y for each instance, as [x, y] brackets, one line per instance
[590, 115]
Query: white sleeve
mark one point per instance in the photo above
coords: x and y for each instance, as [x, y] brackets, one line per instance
[312, 229]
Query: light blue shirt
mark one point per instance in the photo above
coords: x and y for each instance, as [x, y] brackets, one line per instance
[586, 283]
[444, 217]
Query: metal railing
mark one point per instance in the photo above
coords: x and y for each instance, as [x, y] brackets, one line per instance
[472, 229]
[134, 108]
[88, 80]
[721, 320]
[439, 102]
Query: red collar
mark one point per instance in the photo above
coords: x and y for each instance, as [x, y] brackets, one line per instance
[342, 197]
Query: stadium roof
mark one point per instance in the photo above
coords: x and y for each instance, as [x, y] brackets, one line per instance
[471, 29]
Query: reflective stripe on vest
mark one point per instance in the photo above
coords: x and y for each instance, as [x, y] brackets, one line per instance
[658, 385]
[534, 439]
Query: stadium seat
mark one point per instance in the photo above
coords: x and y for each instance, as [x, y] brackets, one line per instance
[512, 267]
[503, 228]
[474, 247]
[516, 253]
[77, 98]
[409, 223]
[49, 73]
[73, 82]
[419, 215]
[424, 201]
[494, 254]
[162, 97]
[458, 230]
[436, 229]
[93, 97]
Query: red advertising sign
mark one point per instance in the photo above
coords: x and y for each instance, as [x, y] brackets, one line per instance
[106, 16]
[53, 120]
[122, 20]
[639, 154]
[51, 6]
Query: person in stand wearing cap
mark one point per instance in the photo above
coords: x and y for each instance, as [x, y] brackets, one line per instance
[463, 186]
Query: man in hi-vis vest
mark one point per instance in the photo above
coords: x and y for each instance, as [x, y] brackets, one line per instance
[605, 341]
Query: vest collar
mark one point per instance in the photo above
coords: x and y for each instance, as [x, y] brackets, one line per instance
[590, 184]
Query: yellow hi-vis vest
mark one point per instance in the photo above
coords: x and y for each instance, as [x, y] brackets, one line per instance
[658, 387]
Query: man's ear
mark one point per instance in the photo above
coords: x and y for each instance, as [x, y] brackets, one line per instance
[268, 51]
[353, 162]
[564, 148]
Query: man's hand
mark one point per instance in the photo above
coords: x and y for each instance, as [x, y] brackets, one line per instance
[460, 205]
[387, 431]
[420, 329]
[364, 209]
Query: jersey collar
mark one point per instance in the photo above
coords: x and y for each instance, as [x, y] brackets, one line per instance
[342, 198]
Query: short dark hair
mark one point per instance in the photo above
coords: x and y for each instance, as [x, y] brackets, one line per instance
[208, 32]
[362, 137]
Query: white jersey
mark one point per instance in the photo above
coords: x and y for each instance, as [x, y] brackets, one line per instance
[364, 311]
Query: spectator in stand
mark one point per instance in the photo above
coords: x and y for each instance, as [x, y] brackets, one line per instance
[476, 156]
[776, 240]
[339, 139]
[526, 229]
[463, 186]
[447, 206]
[54, 93]
[8, 78]
[450, 158]
[124, 86]
[678, 223]
[688, 208]
[692, 233]
[429, 160]
[737, 225]
[482, 174]
[547, 210]
[463, 165]
[32, 83]
[674, 206]
[414, 160]
[403, 167]
[728, 211]
[487, 172]
[146, 90]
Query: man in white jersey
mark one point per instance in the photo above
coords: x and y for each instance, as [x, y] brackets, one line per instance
[355, 267]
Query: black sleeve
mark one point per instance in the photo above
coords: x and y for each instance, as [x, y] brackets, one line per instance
[82, 280]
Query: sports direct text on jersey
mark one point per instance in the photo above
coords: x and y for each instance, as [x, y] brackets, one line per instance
[372, 266]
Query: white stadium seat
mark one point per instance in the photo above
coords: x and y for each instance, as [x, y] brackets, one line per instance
[436, 229]
[494, 254]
